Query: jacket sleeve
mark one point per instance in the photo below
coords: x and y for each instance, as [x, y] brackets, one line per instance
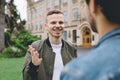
[71, 73]
[30, 71]
[72, 48]
[75, 53]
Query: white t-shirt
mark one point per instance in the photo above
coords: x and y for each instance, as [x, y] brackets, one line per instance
[58, 65]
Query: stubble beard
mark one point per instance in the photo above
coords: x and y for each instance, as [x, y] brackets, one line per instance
[57, 36]
[93, 24]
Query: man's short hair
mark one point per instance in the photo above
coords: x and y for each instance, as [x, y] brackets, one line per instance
[54, 12]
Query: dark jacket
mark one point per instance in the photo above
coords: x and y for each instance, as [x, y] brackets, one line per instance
[45, 70]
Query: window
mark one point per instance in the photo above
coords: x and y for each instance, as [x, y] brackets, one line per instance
[32, 27]
[29, 15]
[56, 2]
[65, 16]
[74, 36]
[75, 14]
[65, 35]
[41, 11]
[69, 34]
[35, 12]
[41, 25]
[32, 14]
[49, 4]
[36, 27]
[93, 37]
[65, 1]
[87, 33]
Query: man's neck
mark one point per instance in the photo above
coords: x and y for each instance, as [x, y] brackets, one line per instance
[54, 40]
[104, 26]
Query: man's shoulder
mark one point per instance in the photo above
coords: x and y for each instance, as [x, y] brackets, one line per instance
[37, 44]
[69, 44]
[98, 61]
[73, 70]
[80, 67]
[84, 62]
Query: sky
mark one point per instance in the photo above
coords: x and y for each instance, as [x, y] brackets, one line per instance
[22, 8]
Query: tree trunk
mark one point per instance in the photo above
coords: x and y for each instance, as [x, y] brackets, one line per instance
[2, 24]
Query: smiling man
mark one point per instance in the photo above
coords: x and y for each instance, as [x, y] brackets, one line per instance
[45, 59]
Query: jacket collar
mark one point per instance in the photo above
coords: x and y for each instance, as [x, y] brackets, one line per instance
[108, 35]
[49, 44]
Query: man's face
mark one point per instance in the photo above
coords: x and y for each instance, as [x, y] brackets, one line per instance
[55, 25]
[90, 18]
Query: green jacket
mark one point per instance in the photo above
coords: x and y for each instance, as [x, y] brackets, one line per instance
[45, 70]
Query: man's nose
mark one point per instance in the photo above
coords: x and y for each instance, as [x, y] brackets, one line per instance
[57, 24]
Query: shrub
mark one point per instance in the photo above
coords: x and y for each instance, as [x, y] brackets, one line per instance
[20, 44]
[12, 52]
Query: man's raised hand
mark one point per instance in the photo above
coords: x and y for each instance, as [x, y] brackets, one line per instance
[36, 60]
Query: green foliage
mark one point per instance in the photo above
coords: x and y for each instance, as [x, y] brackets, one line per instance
[7, 38]
[23, 22]
[12, 52]
[23, 40]
[18, 46]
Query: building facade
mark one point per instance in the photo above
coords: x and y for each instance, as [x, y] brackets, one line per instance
[77, 30]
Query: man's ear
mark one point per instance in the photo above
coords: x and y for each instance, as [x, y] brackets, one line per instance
[93, 6]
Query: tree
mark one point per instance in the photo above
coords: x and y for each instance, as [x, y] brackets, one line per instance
[2, 24]
[13, 21]
[10, 20]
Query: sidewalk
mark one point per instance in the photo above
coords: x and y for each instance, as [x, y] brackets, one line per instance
[81, 50]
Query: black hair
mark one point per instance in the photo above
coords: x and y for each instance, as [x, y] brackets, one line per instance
[110, 9]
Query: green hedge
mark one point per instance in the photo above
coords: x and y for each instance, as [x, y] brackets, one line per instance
[13, 52]
[18, 46]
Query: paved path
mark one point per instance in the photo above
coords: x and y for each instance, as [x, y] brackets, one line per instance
[81, 50]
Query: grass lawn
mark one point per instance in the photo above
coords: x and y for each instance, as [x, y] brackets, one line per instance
[11, 68]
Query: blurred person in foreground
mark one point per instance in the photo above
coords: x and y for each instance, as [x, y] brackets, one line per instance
[102, 62]
[45, 59]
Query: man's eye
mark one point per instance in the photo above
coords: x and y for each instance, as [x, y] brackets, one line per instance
[61, 22]
[53, 22]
